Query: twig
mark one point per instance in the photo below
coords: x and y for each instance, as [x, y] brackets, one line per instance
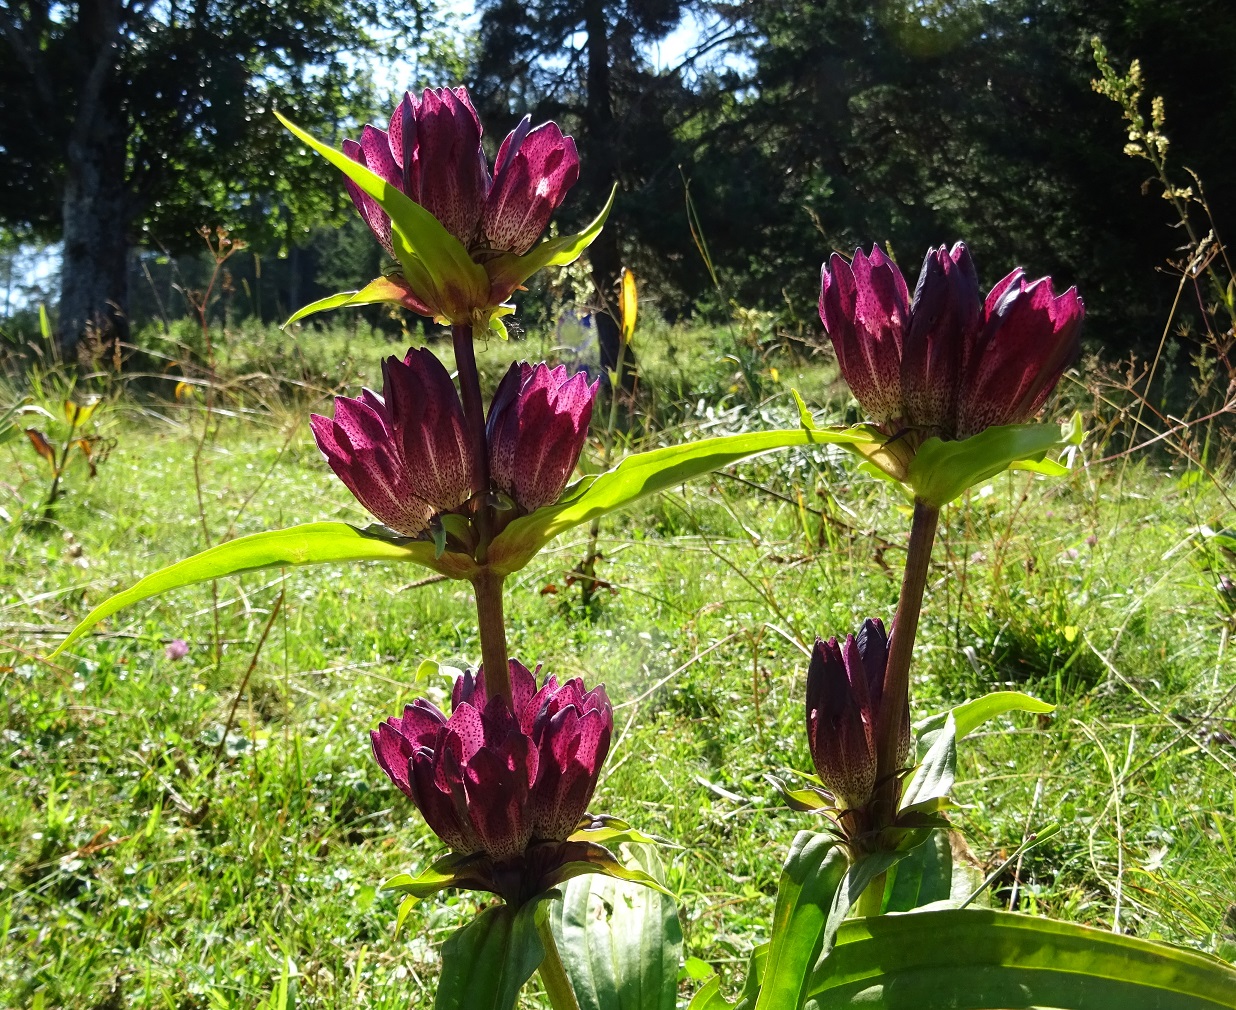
[244, 681]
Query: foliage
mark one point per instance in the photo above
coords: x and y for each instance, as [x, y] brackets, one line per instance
[299, 833]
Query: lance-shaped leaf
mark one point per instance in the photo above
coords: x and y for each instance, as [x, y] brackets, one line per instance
[487, 962]
[620, 943]
[934, 776]
[810, 880]
[978, 959]
[434, 262]
[970, 715]
[452, 870]
[941, 470]
[378, 291]
[509, 271]
[584, 857]
[643, 474]
[930, 874]
[311, 544]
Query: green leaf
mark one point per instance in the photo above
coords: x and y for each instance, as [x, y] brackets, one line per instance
[933, 778]
[405, 907]
[812, 875]
[509, 271]
[978, 959]
[612, 831]
[941, 471]
[379, 290]
[804, 415]
[802, 800]
[311, 544]
[929, 874]
[487, 962]
[643, 474]
[620, 943]
[970, 715]
[446, 871]
[581, 858]
[434, 262]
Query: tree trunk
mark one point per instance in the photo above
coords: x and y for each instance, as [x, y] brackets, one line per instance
[97, 210]
[94, 284]
[604, 254]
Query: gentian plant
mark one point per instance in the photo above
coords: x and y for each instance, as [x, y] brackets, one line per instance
[950, 383]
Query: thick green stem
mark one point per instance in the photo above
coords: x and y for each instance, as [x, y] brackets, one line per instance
[491, 625]
[896, 694]
[553, 974]
[871, 901]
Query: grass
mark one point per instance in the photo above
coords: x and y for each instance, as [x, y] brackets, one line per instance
[136, 871]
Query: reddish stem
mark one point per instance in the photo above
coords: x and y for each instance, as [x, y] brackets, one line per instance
[487, 585]
[896, 693]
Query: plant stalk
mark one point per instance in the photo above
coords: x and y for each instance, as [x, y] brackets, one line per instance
[553, 974]
[491, 625]
[871, 901]
[896, 694]
[490, 622]
[473, 407]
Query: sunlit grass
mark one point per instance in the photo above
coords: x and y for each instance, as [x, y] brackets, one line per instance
[137, 872]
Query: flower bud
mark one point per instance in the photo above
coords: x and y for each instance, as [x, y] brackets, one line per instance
[497, 777]
[845, 685]
[536, 428]
[405, 455]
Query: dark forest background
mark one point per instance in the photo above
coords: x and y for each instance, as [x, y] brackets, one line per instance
[799, 127]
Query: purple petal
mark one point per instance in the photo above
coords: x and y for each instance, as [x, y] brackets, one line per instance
[392, 753]
[864, 307]
[360, 450]
[438, 806]
[945, 316]
[451, 180]
[371, 213]
[1029, 338]
[532, 177]
[428, 423]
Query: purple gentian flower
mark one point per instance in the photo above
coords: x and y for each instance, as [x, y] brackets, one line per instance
[845, 685]
[536, 428]
[405, 455]
[946, 362]
[508, 783]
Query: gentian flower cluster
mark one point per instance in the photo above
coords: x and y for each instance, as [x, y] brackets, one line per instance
[946, 362]
[431, 152]
[407, 457]
[505, 783]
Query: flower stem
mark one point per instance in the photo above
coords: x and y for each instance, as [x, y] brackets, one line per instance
[871, 901]
[473, 407]
[491, 626]
[553, 974]
[895, 698]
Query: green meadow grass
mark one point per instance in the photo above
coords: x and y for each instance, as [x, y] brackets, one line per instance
[136, 871]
